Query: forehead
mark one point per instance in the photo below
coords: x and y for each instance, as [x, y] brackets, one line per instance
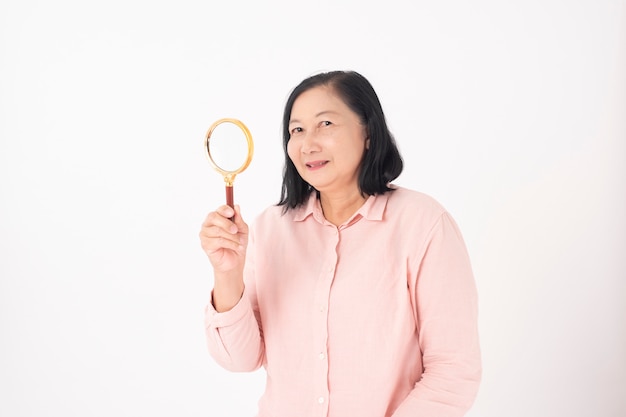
[318, 100]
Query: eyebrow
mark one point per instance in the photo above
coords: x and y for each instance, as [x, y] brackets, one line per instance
[317, 115]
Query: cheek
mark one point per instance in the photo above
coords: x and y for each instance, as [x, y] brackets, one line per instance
[291, 150]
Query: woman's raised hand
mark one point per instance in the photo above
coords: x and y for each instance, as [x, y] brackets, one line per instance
[224, 240]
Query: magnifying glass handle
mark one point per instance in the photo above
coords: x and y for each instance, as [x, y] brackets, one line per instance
[230, 201]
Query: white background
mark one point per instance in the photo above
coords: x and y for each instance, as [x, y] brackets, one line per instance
[511, 114]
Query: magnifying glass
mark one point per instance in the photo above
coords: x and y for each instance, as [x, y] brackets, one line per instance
[229, 149]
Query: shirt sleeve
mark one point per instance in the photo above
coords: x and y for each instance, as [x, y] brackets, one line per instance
[234, 337]
[445, 298]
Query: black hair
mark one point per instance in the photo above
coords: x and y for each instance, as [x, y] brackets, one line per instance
[381, 163]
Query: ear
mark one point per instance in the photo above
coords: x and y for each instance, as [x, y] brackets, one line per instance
[367, 143]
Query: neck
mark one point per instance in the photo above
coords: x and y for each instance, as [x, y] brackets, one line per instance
[339, 208]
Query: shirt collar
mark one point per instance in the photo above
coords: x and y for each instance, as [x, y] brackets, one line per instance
[372, 209]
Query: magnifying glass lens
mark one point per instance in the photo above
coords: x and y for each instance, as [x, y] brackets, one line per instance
[229, 149]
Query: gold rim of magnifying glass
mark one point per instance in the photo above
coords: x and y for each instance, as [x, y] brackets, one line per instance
[229, 176]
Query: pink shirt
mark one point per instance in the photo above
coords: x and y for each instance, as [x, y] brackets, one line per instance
[376, 317]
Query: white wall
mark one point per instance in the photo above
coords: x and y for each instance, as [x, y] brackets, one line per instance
[512, 114]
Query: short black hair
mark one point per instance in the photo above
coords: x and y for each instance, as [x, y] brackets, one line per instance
[382, 163]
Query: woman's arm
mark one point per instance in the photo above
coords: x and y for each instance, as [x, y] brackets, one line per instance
[232, 330]
[445, 297]
[233, 337]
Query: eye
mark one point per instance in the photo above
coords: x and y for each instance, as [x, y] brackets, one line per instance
[295, 130]
[326, 123]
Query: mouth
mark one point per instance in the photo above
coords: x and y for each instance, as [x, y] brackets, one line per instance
[315, 164]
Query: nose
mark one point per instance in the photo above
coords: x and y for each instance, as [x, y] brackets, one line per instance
[310, 143]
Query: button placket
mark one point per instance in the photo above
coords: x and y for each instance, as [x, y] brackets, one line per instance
[322, 296]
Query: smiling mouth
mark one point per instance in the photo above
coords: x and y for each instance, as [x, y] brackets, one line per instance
[316, 164]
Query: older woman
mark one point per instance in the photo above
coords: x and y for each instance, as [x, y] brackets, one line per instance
[355, 295]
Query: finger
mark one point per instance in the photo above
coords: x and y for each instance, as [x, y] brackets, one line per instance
[226, 211]
[221, 243]
[213, 232]
[242, 227]
[220, 218]
[213, 239]
[229, 213]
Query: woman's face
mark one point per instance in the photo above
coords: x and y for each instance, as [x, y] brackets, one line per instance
[327, 141]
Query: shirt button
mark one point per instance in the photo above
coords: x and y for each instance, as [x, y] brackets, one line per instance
[320, 400]
[322, 309]
[322, 355]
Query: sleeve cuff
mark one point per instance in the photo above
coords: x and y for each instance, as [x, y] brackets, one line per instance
[215, 319]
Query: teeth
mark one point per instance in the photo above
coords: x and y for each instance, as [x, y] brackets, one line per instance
[316, 165]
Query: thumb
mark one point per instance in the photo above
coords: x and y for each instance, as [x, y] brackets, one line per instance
[238, 219]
